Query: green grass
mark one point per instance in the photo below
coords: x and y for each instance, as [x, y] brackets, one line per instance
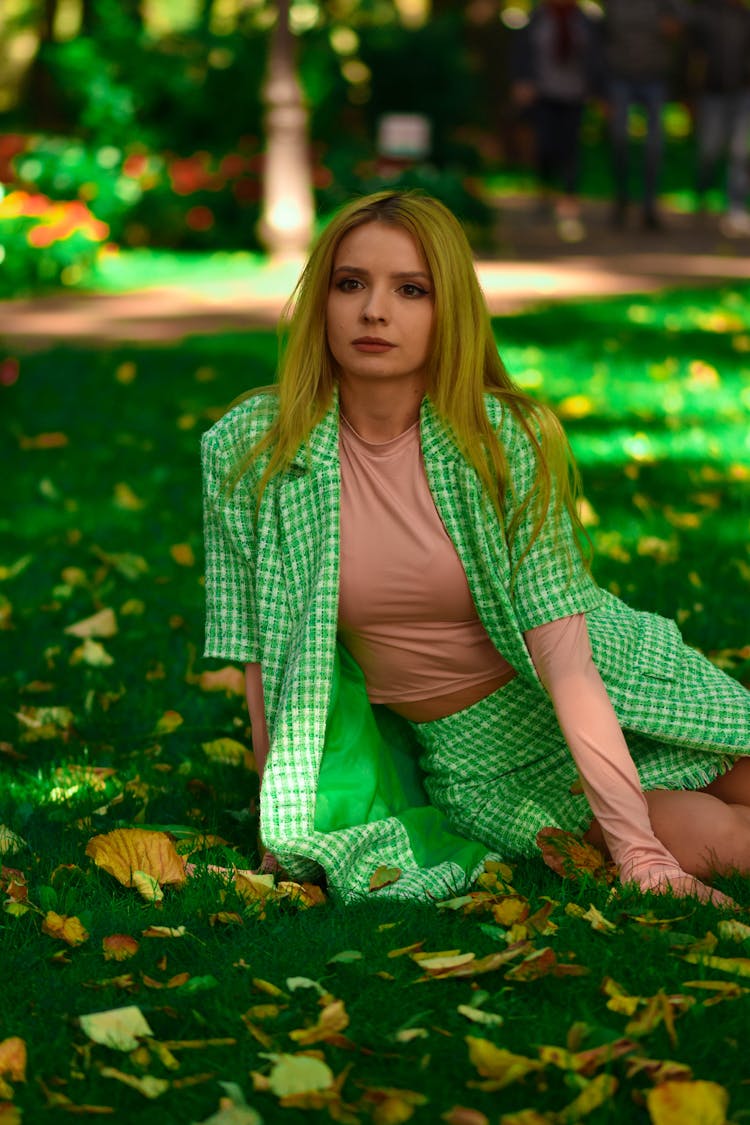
[654, 391]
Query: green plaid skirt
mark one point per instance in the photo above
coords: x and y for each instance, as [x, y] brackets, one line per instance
[500, 770]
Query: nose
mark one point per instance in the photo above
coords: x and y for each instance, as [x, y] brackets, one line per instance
[375, 307]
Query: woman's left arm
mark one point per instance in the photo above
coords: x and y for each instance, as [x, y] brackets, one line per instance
[561, 652]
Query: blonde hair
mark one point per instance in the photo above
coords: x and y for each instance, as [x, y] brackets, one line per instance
[463, 362]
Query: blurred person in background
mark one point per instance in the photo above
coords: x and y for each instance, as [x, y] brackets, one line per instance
[638, 39]
[554, 70]
[720, 40]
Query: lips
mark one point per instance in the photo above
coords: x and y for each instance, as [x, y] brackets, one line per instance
[372, 344]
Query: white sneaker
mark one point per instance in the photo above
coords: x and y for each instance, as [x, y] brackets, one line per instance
[735, 224]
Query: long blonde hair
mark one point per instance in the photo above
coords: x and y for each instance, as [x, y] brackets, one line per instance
[463, 362]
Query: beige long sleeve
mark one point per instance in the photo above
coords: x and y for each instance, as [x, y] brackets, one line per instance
[561, 652]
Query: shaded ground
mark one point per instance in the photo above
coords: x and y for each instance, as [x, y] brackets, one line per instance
[531, 265]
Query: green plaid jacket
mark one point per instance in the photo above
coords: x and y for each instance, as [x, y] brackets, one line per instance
[272, 583]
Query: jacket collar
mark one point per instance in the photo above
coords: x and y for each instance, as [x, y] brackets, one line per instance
[321, 447]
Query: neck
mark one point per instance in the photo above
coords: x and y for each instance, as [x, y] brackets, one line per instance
[383, 412]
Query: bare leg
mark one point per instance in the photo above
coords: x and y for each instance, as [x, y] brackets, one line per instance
[734, 785]
[706, 835]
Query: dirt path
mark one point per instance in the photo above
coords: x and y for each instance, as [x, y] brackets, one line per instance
[532, 265]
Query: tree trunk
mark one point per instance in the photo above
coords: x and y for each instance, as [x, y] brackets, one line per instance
[288, 208]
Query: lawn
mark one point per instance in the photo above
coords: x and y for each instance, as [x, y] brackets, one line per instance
[258, 1006]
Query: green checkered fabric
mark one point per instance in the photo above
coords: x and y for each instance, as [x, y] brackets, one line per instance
[272, 596]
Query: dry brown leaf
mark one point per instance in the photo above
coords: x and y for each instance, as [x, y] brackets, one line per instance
[571, 856]
[688, 1103]
[149, 1086]
[101, 624]
[67, 929]
[383, 876]
[126, 852]
[119, 947]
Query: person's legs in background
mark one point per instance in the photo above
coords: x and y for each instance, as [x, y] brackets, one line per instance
[711, 136]
[653, 95]
[620, 97]
[737, 221]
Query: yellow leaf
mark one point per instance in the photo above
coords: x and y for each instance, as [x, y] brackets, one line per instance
[476, 1015]
[298, 1074]
[688, 1103]
[498, 1064]
[230, 752]
[119, 1028]
[125, 852]
[164, 931]
[126, 499]
[126, 373]
[101, 624]
[183, 554]
[527, 1117]
[66, 928]
[251, 887]
[147, 886]
[333, 1019]
[229, 679]
[91, 653]
[119, 947]
[9, 1114]
[440, 964]
[13, 1059]
[731, 929]
[511, 909]
[149, 1086]
[383, 876]
[169, 721]
[593, 916]
[596, 1093]
[739, 966]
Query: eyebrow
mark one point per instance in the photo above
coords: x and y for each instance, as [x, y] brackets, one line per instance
[396, 276]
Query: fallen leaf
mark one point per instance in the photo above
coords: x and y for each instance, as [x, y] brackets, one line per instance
[67, 929]
[10, 842]
[229, 752]
[232, 1112]
[731, 929]
[739, 966]
[499, 1066]
[528, 1117]
[298, 1074]
[126, 852]
[594, 917]
[101, 624]
[148, 1085]
[383, 876]
[9, 1114]
[687, 1103]
[595, 1093]
[13, 1059]
[332, 1020]
[658, 1070]
[147, 886]
[462, 1115]
[169, 722]
[724, 989]
[229, 679]
[125, 498]
[92, 653]
[53, 440]
[164, 931]
[183, 554]
[476, 1015]
[572, 857]
[119, 1028]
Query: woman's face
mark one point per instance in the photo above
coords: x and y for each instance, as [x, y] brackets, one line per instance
[380, 307]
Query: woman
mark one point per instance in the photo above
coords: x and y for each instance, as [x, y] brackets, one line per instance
[391, 552]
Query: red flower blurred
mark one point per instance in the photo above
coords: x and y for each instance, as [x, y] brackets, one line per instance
[232, 165]
[199, 218]
[135, 165]
[8, 371]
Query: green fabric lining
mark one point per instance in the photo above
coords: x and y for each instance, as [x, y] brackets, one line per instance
[368, 773]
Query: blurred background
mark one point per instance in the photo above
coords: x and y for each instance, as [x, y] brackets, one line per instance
[132, 131]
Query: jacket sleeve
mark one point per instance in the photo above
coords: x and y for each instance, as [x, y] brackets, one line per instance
[229, 538]
[549, 577]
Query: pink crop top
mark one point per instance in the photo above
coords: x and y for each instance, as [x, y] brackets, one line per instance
[405, 610]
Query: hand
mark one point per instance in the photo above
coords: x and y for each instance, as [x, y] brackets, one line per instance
[682, 885]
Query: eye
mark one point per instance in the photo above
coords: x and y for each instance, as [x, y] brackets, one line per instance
[349, 284]
[411, 289]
